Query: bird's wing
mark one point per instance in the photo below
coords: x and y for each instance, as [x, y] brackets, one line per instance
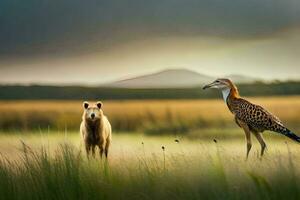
[254, 115]
[259, 119]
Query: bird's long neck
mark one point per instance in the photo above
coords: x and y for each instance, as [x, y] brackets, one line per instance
[225, 93]
[230, 94]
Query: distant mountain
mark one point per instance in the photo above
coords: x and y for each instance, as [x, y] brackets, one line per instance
[172, 78]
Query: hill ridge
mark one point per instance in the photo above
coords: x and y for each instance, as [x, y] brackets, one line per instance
[172, 78]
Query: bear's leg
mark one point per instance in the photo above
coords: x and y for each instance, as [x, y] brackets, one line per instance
[101, 151]
[106, 152]
[106, 148]
[87, 149]
[93, 151]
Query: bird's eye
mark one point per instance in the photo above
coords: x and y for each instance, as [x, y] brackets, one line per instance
[218, 81]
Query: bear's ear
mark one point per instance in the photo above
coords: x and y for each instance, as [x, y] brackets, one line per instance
[85, 105]
[99, 104]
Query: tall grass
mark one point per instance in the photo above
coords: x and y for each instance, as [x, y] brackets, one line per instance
[158, 174]
[151, 117]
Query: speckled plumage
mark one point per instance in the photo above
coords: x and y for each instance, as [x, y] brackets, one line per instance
[256, 117]
[252, 118]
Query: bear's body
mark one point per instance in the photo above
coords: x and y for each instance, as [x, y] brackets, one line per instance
[95, 129]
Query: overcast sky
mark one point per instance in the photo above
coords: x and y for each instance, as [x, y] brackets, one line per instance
[94, 41]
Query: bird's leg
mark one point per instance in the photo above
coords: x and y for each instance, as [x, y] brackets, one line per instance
[262, 143]
[249, 144]
[248, 137]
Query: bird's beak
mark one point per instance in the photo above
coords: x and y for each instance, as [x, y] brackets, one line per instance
[208, 85]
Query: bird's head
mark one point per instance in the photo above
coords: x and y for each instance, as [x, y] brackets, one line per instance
[220, 83]
[226, 86]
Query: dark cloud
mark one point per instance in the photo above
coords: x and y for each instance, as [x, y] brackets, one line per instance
[60, 27]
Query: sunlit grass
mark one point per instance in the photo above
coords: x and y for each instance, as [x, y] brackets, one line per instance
[149, 116]
[53, 166]
[203, 156]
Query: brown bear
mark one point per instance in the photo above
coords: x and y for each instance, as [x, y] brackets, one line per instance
[95, 129]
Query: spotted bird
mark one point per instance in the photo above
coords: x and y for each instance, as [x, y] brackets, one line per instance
[250, 117]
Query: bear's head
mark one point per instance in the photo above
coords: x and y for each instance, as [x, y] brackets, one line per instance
[92, 112]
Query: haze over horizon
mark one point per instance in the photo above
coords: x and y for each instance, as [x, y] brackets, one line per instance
[93, 42]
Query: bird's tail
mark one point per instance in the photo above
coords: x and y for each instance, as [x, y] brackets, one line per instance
[289, 134]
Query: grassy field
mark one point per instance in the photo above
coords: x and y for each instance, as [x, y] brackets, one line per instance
[148, 116]
[42, 156]
[53, 166]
